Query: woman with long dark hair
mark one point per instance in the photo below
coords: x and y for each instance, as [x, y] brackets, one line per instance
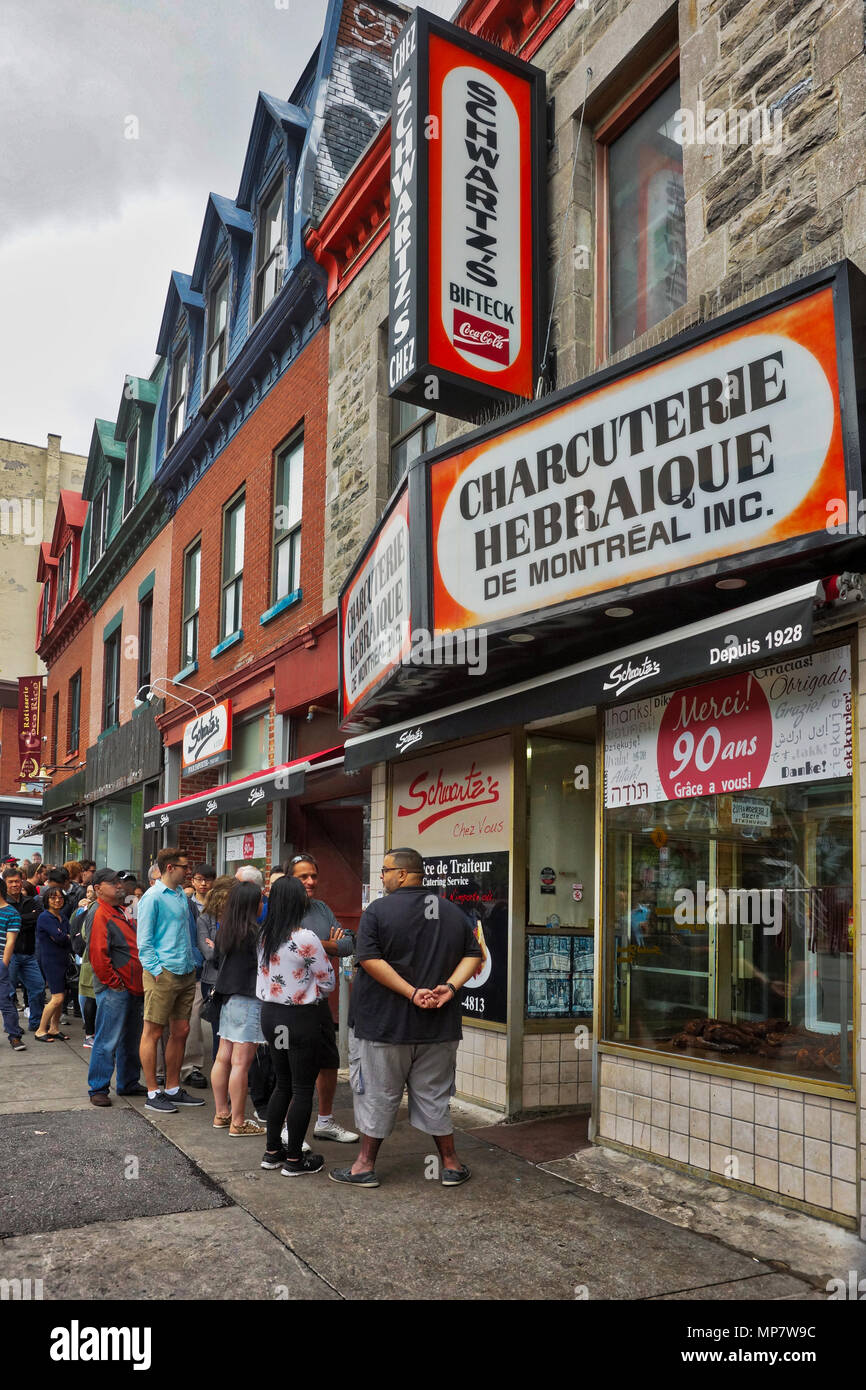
[239, 1026]
[207, 926]
[294, 974]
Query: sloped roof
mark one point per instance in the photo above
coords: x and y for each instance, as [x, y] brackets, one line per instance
[270, 111]
[103, 445]
[220, 211]
[71, 510]
[179, 292]
[138, 392]
[45, 562]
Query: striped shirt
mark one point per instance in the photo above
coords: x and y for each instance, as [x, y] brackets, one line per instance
[10, 921]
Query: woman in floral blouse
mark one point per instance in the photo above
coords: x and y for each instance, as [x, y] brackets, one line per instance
[294, 974]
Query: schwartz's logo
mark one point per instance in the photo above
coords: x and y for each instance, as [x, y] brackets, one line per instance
[407, 738]
[624, 676]
[256, 794]
[443, 797]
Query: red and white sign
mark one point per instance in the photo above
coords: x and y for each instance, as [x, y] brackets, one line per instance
[207, 739]
[764, 728]
[375, 630]
[480, 218]
[249, 846]
[459, 800]
[481, 339]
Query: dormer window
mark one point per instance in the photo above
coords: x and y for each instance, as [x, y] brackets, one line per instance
[178, 393]
[99, 526]
[130, 475]
[64, 571]
[269, 247]
[217, 332]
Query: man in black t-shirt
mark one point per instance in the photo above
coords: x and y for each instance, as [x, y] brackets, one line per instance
[415, 951]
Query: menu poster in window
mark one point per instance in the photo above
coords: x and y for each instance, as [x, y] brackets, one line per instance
[454, 807]
[479, 887]
[774, 726]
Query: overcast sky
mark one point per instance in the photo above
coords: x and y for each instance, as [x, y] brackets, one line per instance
[92, 222]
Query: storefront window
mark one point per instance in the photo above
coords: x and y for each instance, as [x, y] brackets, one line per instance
[561, 878]
[249, 748]
[729, 903]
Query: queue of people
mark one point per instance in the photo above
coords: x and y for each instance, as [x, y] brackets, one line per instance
[260, 968]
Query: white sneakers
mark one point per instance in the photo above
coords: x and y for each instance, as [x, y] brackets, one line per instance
[336, 1132]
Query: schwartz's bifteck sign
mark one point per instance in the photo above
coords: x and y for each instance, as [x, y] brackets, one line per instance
[467, 168]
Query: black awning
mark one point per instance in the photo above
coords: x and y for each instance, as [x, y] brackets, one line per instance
[773, 627]
[274, 784]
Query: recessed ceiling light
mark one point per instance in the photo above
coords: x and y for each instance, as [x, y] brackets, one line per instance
[618, 612]
[520, 637]
[730, 583]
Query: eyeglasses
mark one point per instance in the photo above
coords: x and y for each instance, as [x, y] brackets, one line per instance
[389, 869]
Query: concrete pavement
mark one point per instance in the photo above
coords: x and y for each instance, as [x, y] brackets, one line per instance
[107, 1203]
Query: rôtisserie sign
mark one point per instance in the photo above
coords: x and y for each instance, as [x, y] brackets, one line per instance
[466, 199]
[730, 448]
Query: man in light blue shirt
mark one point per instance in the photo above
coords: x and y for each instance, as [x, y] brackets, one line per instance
[168, 973]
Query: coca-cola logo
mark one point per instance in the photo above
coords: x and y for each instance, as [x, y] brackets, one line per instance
[481, 337]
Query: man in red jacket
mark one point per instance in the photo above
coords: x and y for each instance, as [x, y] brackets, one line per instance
[117, 980]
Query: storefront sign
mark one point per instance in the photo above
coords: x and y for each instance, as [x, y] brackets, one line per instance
[455, 809]
[467, 157]
[29, 726]
[769, 727]
[457, 799]
[732, 447]
[207, 739]
[374, 611]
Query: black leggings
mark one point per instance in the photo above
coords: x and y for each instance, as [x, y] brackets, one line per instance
[293, 1032]
[89, 1015]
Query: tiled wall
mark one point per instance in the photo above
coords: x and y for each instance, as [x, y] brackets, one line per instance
[786, 1142]
[481, 1066]
[556, 1071]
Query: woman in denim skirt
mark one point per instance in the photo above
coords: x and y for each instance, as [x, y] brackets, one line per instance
[239, 1025]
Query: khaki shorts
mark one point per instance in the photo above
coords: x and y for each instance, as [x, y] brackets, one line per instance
[168, 996]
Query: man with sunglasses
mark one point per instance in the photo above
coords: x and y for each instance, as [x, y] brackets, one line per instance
[168, 973]
[415, 951]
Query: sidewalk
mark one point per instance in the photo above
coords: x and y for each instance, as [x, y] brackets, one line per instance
[105, 1204]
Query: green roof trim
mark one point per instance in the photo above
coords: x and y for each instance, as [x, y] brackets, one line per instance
[138, 394]
[111, 628]
[146, 586]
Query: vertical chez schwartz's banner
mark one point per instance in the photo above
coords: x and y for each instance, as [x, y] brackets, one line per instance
[735, 446]
[455, 809]
[467, 190]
